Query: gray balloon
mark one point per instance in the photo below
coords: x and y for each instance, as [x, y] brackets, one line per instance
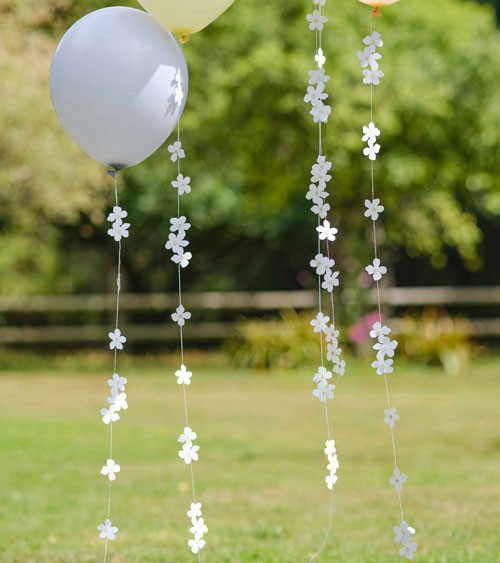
[119, 84]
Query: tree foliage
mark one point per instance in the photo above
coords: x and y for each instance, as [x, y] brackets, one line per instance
[250, 143]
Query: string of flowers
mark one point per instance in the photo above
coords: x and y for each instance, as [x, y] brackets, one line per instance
[117, 401]
[384, 346]
[177, 243]
[323, 264]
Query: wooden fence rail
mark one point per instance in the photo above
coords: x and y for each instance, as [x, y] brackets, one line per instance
[234, 304]
[240, 301]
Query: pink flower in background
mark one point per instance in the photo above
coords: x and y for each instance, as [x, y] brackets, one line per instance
[359, 334]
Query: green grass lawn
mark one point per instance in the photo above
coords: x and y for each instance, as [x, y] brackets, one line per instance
[261, 470]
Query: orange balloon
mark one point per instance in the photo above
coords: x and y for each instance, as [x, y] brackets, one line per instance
[377, 4]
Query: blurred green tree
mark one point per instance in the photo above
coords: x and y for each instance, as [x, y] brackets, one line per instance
[250, 144]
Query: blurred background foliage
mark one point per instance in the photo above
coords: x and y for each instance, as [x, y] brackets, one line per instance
[250, 144]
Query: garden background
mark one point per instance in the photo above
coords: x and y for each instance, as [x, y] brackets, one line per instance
[250, 140]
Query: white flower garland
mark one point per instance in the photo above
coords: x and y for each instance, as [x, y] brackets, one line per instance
[384, 346]
[323, 264]
[177, 243]
[117, 401]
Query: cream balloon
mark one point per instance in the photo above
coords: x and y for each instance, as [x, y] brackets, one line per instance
[185, 16]
[119, 83]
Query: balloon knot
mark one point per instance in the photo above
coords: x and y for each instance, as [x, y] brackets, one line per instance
[376, 12]
[111, 173]
[183, 38]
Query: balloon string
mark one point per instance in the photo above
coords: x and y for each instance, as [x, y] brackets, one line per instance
[114, 174]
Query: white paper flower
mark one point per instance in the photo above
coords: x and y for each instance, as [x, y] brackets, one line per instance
[331, 334]
[369, 57]
[109, 415]
[315, 94]
[117, 215]
[370, 132]
[373, 209]
[408, 550]
[374, 39]
[398, 479]
[187, 436]
[178, 91]
[333, 463]
[183, 375]
[181, 315]
[403, 533]
[321, 210]
[339, 368]
[117, 383]
[182, 258]
[118, 402]
[316, 20]
[379, 330]
[316, 194]
[319, 171]
[320, 2]
[376, 270]
[195, 510]
[371, 151]
[320, 322]
[385, 347]
[332, 352]
[383, 366]
[182, 184]
[320, 58]
[318, 76]
[320, 112]
[372, 76]
[117, 340]
[330, 448]
[199, 528]
[119, 230]
[324, 391]
[176, 242]
[331, 480]
[107, 530]
[176, 151]
[178, 95]
[322, 264]
[322, 375]
[110, 469]
[330, 281]
[196, 545]
[391, 416]
[325, 231]
[189, 453]
[179, 224]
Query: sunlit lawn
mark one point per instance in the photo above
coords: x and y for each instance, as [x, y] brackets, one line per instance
[261, 469]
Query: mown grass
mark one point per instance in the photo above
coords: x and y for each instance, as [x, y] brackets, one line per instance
[261, 471]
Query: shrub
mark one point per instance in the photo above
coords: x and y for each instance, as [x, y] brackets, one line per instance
[284, 342]
[435, 337]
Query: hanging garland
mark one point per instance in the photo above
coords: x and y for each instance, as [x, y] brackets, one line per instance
[177, 243]
[385, 348]
[117, 401]
[323, 264]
